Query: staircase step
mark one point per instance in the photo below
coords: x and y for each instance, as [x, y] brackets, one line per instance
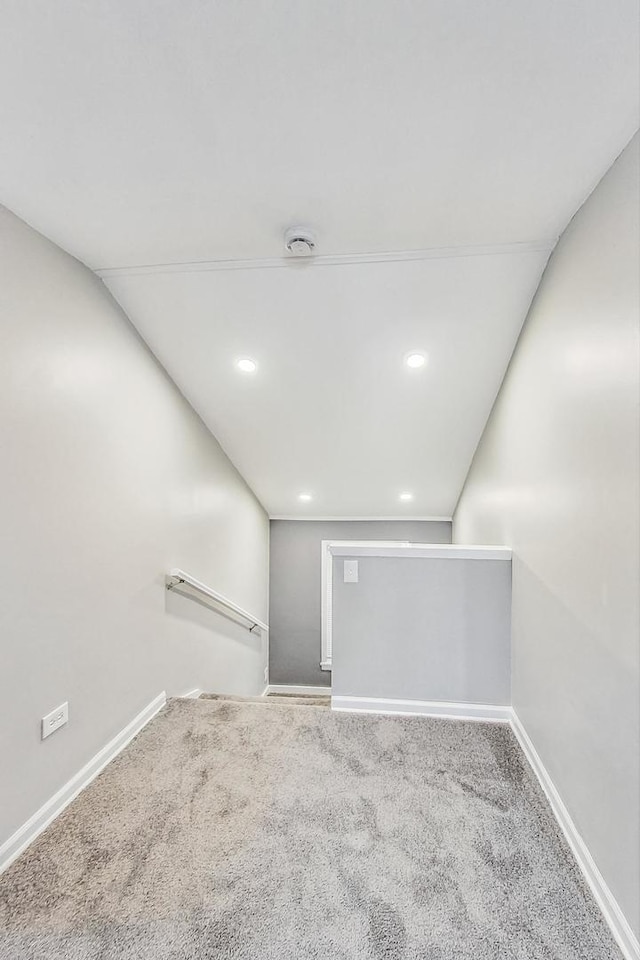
[272, 699]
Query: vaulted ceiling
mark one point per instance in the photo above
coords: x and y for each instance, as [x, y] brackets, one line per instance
[437, 149]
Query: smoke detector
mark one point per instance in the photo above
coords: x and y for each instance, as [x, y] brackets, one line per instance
[299, 242]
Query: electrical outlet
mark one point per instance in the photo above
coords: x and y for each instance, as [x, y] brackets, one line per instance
[54, 720]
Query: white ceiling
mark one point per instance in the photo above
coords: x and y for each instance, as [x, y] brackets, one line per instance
[173, 132]
[332, 409]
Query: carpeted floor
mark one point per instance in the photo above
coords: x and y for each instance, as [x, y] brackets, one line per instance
[245, 831]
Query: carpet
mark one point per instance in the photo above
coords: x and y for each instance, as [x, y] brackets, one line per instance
[245, 831]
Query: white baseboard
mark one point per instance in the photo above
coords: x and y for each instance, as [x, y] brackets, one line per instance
[493, 713]
[28, 832]
[301, 691]
[614, 916]
[192, 694]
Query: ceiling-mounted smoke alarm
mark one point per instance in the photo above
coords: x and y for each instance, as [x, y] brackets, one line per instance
[299, 241]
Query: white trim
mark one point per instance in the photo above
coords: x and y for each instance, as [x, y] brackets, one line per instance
[300, 690]
[326, 604]
[614, 916]
[396, 519]
[328, 260]
[192, 694]
[27, 833]
[488, 712]
[421, 551]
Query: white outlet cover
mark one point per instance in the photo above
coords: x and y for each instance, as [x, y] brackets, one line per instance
[351, 571]
[54, 720]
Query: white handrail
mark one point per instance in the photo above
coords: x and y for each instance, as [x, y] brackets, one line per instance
[177, 578]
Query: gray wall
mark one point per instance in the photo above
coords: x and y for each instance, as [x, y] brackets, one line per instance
[556, 477]
[294, 592]
[423, 629]
[108, 479]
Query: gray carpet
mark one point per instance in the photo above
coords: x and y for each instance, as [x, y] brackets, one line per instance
[245, 831]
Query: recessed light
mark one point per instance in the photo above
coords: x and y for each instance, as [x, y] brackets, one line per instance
[247, 365]
[415, 360]
[305, 497]
[406, 496]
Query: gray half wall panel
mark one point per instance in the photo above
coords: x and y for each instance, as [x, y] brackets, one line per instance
[423, 629]
[294, 601]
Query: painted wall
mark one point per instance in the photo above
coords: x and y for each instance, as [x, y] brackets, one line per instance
[423, 629]
[108, 480]
[556, 476]
[295, 568]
